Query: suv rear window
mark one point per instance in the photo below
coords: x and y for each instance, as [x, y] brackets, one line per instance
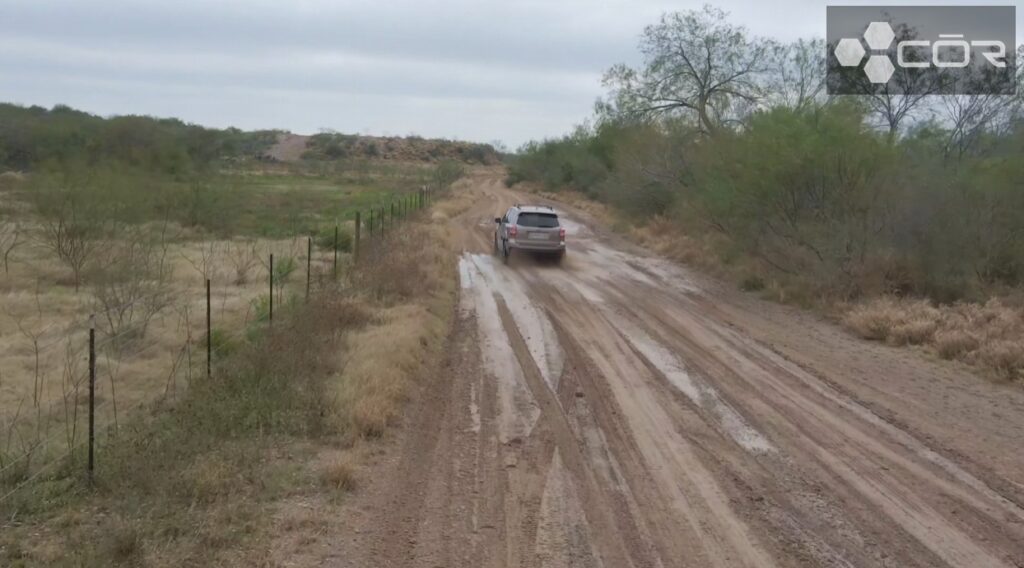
[542, 220]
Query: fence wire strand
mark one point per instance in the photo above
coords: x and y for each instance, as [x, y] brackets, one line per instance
[406, 206]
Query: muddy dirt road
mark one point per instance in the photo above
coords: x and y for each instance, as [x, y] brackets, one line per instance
[619, 411]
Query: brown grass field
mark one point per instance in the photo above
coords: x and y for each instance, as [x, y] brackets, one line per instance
[232, 464]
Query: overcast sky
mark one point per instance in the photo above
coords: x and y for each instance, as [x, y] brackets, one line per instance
[483, 70]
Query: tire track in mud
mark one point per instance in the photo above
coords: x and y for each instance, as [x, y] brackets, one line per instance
[558, 436]
[875, 461]
[607, 412]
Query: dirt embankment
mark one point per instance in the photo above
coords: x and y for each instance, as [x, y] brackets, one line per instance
[619, 410]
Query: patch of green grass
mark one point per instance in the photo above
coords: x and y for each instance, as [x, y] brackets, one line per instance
[278, 206]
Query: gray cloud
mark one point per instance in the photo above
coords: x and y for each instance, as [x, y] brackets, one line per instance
[478, 70]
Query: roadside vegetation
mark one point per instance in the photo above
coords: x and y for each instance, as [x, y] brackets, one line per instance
[878, 204]
[228, 472]
[190, 470]
[330, 145]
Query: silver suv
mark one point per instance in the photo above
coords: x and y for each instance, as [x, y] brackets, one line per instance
[529, 228]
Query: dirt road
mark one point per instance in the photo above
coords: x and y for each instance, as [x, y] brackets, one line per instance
[620, 411]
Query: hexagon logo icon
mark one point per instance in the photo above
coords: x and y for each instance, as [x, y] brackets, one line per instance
[849, 52]
[879, 35]
[879, 69]
[946, 50]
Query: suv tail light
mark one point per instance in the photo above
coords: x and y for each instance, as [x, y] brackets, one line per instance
[512, 230]
[561, 233]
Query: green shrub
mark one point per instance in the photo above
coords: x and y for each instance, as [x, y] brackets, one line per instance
[283, 269]
[260, 308]
[324, 239]
[222, 344]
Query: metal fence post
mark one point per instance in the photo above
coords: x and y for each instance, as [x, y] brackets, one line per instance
[271, 287]
[92, 395]
[335, 252]
[355, 244]
[209, 334]
[369, 225]
[382, 222]
[309, 263]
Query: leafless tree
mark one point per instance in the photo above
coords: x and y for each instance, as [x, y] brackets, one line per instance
[798, 74]
[970, 116]
[891, 106]
[904, 97]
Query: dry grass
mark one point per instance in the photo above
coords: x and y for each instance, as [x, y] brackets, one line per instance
[197, 481]
[990, 335]
[340, 473]
[459, 198]
[414, 285]
[44, 331]
[663, 236]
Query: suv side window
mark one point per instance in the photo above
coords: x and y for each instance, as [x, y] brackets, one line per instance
[505, 219]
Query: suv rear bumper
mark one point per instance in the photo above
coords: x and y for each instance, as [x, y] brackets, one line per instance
[536, 246]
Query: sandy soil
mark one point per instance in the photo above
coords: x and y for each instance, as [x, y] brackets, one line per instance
[289, 147]
[618, 410]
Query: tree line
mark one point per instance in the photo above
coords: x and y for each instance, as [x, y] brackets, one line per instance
[730, 135]
[35, 138]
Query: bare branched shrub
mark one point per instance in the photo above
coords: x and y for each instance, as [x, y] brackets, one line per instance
[209, 254]
[71, 240]
[71, 223]
[244, 257]
[132, 284]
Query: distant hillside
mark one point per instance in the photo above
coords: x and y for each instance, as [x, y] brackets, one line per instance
[31, 137]
[334, 146]
[36, 137]
[288, 148]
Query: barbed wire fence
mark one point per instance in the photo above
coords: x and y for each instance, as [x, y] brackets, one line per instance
[87, 424]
